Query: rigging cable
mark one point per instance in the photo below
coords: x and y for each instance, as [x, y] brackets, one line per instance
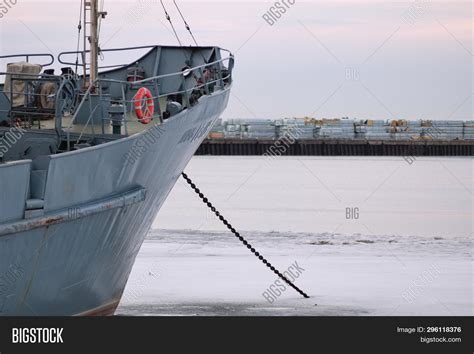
[190, 32]
[185, 23]
[100, 17]
[101, 55]
[79, 28]
[241, 238]
[168, 17]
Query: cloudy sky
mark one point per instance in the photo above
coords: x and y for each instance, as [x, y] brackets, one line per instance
[364, 59]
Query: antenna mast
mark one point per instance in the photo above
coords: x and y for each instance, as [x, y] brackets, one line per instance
[92, 36]
[94, 40]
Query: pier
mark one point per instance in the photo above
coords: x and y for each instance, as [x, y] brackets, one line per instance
[336, 147]
[339, 137]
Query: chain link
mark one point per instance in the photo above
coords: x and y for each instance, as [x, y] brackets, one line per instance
[240, 237]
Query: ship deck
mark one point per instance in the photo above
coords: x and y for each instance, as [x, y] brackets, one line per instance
[132, 127]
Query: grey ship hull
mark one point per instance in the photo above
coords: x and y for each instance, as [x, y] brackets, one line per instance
[77, 260]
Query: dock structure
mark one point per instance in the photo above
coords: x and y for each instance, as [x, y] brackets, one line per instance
[340, 137]
[251, 147]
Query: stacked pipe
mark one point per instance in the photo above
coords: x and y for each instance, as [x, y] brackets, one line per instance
[343, 129]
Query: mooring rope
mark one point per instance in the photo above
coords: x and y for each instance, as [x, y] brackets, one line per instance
[240, 237]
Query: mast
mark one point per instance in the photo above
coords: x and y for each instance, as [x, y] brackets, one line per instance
[94, 40]
[91, 36]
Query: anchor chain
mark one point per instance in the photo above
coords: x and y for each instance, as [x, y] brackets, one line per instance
[240, 237]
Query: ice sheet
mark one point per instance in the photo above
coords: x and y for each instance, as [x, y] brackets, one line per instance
[408, 253]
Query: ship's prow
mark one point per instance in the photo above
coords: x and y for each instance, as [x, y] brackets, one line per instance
[86, 164]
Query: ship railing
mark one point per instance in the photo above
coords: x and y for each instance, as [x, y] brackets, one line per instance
[219, 74]
[28, 56]
[30, 109]
[84, 54]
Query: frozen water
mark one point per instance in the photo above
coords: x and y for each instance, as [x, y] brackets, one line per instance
[405, 250]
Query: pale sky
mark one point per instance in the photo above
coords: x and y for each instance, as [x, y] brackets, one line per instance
[361, 59]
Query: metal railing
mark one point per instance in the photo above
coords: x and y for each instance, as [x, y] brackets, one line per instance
[193, 82]
[30, 106]
[218, 78]
[83, 55]
[28, 56]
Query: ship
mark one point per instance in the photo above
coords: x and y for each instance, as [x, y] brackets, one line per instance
[87, 158]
